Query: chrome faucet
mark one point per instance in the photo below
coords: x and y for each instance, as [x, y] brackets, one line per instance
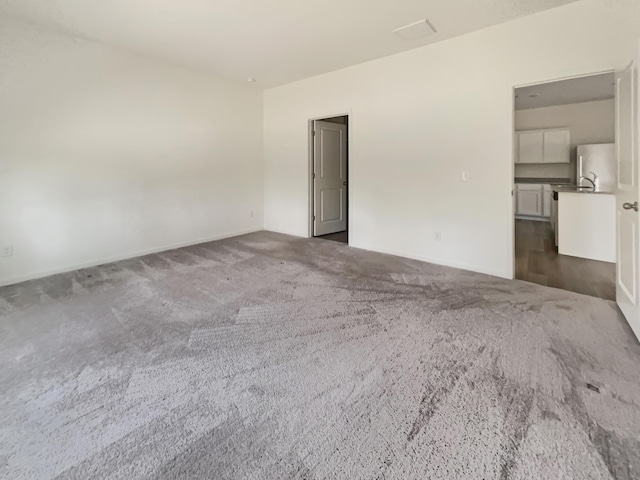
[593, 182]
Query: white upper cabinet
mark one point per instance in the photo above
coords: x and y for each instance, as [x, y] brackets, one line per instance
[530, 147]
[543, 146]
[557, 146]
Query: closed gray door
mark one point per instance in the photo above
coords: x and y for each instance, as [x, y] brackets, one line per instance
[330, 178]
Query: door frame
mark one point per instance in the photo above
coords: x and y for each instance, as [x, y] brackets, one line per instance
[626, 301]
[514, 87]
[344, 113]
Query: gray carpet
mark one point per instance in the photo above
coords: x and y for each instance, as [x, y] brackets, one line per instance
[272, 357]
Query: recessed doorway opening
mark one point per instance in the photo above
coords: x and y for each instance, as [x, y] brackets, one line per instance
[329, 182]
[564, 184]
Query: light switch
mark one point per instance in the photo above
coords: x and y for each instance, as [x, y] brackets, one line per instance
[465, 175]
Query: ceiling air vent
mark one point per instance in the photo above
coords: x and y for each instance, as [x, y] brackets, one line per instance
[415, 31]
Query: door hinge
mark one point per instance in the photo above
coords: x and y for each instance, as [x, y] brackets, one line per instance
[314, 133]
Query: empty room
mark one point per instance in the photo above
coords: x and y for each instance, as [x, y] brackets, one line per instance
[273, 239]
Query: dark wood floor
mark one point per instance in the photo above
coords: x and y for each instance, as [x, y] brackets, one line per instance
[538, 261]
[342, 237]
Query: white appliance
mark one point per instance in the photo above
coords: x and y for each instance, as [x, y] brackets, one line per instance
[598, 159]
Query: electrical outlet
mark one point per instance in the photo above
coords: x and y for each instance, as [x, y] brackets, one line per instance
[6, 251]
[437, 237]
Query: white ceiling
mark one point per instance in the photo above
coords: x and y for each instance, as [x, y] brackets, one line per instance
[564, 92]
[273, 41]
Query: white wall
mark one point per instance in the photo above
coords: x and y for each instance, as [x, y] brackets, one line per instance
[422, 117]
[105, 154]
[589, 122]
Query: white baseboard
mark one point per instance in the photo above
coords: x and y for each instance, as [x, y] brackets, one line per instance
[438, 261]
[117, 258]
[371, 248]
[283, 232]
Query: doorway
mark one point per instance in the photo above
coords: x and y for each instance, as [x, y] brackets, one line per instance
[565, 184]
[329, 182]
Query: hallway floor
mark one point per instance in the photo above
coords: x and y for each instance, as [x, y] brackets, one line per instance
[342, 237]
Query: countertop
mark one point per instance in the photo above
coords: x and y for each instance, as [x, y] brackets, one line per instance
[560, 185]
[559, 189]
[543, 181]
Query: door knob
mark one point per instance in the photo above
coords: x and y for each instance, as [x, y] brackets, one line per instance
[630, 206]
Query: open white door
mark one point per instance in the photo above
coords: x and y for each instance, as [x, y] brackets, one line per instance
[329, 178]
[628, 195]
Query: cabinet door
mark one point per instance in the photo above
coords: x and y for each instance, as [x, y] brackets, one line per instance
[557, 146]
[530, 202]
[530, 147]
[546, 208]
